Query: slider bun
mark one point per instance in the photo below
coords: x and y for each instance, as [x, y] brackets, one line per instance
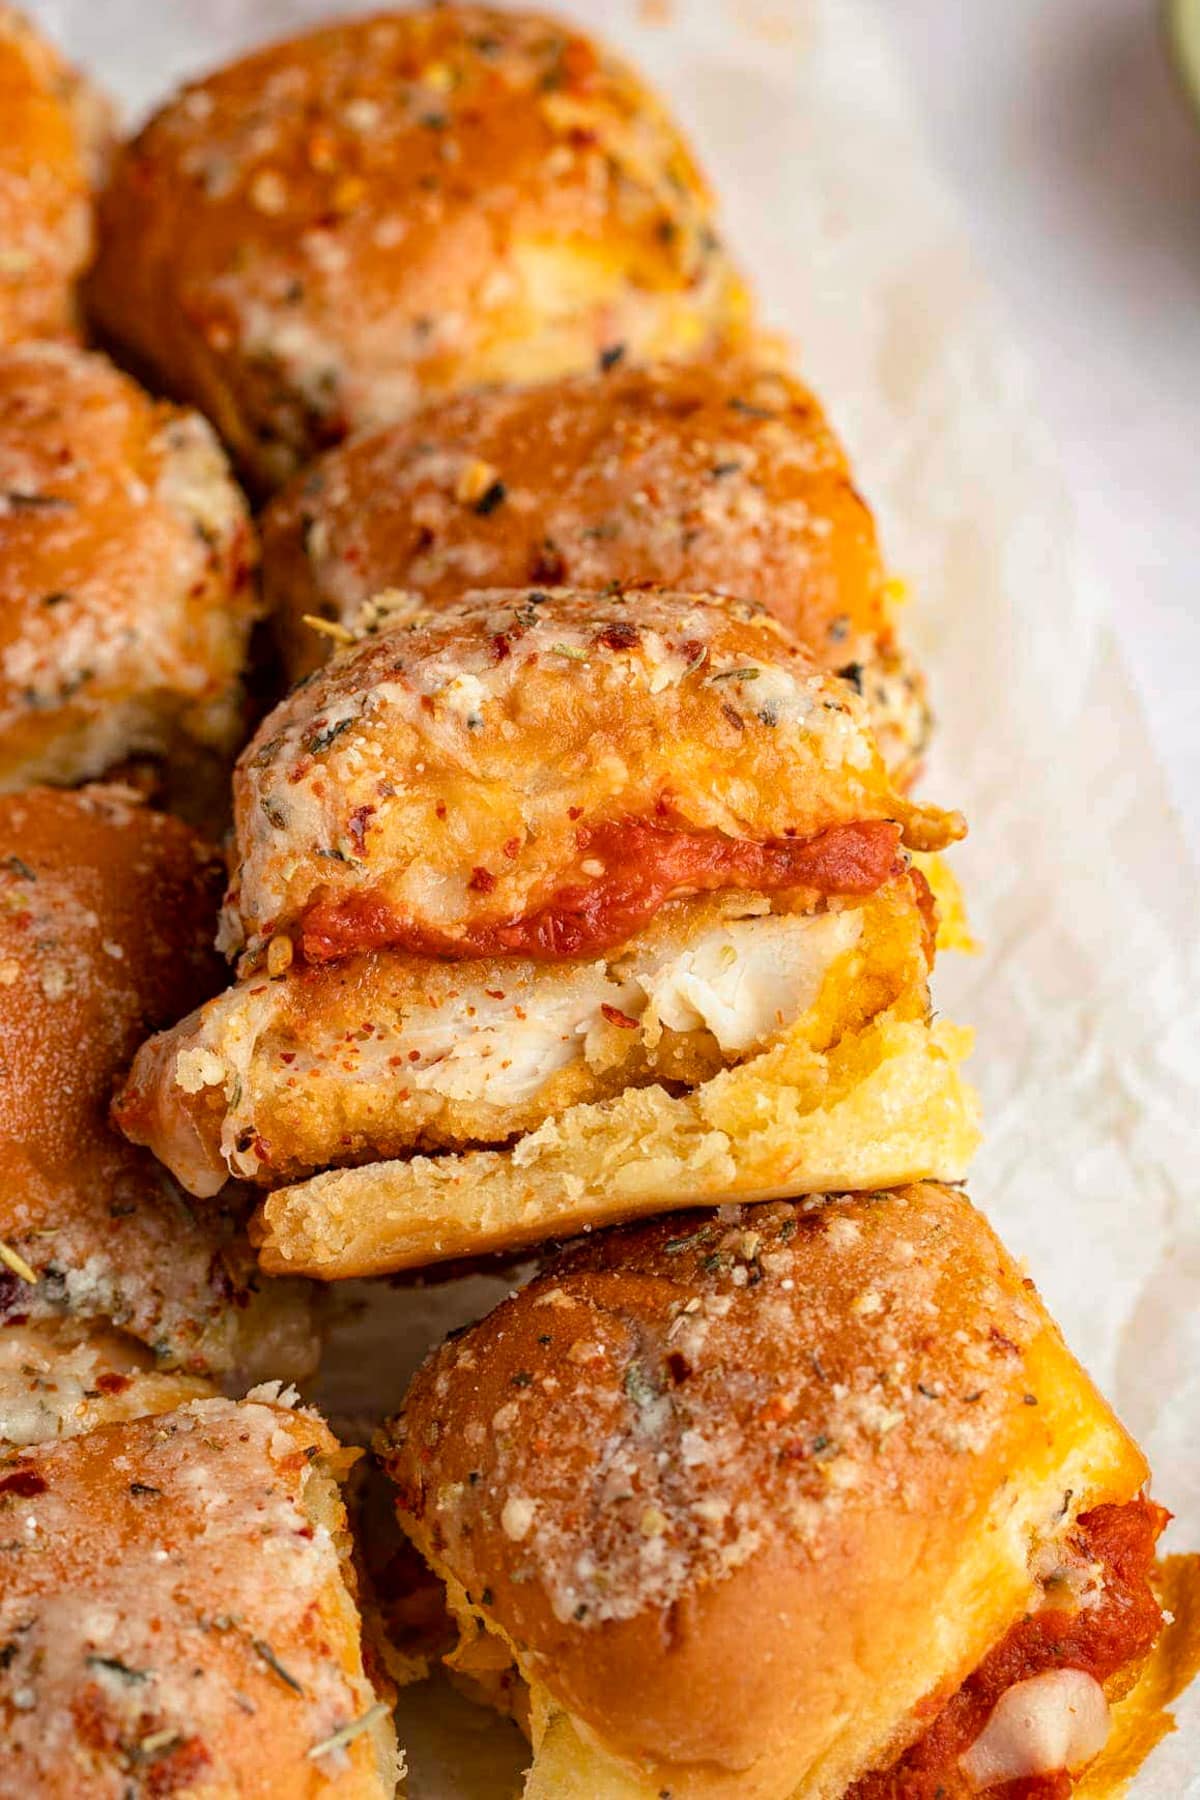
[440, 779]
[739, 1491]
[885, 1102]
[55, 140]
[125, 574]
[315, 237]
[60, 1377]
[181, 1616]
[712, 475]
[106, 919]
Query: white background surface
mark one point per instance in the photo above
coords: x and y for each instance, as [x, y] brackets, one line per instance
[1076, 166]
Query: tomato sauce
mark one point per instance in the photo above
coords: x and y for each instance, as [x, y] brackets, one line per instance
[1099, 1639]
[645, 864]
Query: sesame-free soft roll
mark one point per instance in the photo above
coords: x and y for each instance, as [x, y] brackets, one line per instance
[54, 142]
[554, 908]
[717, 474]
[178, 1613]
[61, 1377]
[315, 237]
[803, 1501]
[126, 598]
[107, 911]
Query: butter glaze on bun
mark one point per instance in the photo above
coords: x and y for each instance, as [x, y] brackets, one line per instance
[53, 147]
[106, 921]
[317, 236]
[719, 475]
[178, 1615]
[126, 558]
[747, 1498]
[439, 783]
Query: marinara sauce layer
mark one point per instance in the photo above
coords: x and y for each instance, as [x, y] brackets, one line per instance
[644, 864]
[1099, 1639]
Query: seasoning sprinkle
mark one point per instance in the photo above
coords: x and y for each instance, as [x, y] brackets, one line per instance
[330, 628]
[348, 1733]
[114, 1666]
[490, 499]
[264, 1650]
[12, 1260]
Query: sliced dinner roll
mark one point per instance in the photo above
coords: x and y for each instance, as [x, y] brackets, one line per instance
[60, 1377]
[106, 919]
[126, 593]
[316, 236]
[717, 474]
[803, 1501]
[177, 1613]
[53, 147]
[555, 908]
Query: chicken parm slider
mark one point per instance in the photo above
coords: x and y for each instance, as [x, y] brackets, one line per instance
[126, 598]
[802, 1501]
[107, 912]
[178, 1615]
[554, 908]
[320, 234]
[715, 475]
[54, 143]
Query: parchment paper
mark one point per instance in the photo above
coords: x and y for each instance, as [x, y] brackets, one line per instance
[1085, 1001]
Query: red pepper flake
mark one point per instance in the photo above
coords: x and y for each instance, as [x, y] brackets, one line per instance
[621, 635]
[24, 1483]
[357, 827]
[501, 648]
[482, 881]
[440, 809]
[112, 1383]
[615, 1016]
[512, 848]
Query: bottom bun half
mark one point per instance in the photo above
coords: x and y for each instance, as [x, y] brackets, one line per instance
[884, 1106]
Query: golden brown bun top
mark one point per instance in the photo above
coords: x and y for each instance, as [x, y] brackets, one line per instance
[716, 475]
[454, 770]
[106, 920]
[125, 562]
[174, 1616]
[684, 1434]
[314, 236]
[53, 143]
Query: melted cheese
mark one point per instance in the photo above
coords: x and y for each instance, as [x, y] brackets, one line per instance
[1052, 1722]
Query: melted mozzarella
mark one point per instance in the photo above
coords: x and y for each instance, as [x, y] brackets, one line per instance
[1050, 1723]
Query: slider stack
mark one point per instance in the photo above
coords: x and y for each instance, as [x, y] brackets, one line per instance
[580, 909]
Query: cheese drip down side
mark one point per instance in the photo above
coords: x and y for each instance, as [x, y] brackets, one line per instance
[1051, 1723]
[387, 1053]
